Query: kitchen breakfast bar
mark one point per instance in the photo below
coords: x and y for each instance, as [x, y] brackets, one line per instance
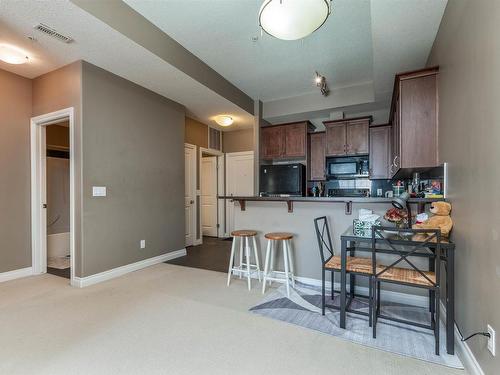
[296, 215]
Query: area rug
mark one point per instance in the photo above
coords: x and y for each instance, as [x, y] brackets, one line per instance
[59, 262]
[303, 308]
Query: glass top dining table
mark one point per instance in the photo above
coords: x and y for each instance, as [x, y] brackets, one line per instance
[350, 240]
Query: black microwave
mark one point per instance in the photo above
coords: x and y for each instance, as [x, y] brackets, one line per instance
[347, 167]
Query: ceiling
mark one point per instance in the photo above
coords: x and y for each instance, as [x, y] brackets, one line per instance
[221, 32]
[363, 44]
[101, 45]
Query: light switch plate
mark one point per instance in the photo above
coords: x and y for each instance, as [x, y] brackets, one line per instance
[143, 244]
[98, 191]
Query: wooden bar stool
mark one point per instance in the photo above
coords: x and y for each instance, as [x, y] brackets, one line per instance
[243, 236]
[274, 239]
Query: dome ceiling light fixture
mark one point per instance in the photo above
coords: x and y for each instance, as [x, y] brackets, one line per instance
[224, 120]
[12, 55]
[293, 19]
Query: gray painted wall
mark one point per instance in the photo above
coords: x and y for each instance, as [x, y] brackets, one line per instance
[15, 113]
[56, 90]
[134, 144]
[466, 48]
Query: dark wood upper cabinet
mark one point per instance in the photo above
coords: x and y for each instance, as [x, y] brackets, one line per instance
[380, 152]
[348, 136]
[317, 158]
[295, 140]
[357, 137]
[286, 141]
[414, 117]
[272, 142]
[335, 139]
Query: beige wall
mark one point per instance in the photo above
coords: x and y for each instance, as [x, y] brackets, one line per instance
[196, 133]
[60, 89]
[238, 140]
[15, 113]
[467, 51]
[134, 145]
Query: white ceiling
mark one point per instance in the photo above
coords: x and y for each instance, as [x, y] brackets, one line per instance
[101, 45]
[220, 33]
[360, 48]
[364, 42]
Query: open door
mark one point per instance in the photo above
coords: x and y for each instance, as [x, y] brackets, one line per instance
[208, 185]
[190, 193]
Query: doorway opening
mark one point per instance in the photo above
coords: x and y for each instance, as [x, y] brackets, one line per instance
[57, 188]
[52, 193]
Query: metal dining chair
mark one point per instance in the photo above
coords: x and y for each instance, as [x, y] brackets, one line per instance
[413, 276]
[332, 263]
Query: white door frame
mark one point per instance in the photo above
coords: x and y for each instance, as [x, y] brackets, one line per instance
[38, 189]
[194, 190]
[221, 174]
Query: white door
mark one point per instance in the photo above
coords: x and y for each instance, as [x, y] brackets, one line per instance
[208, 184]
[239, 180]
[190, 192]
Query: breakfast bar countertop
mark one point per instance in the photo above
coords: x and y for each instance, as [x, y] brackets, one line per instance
[326, 199]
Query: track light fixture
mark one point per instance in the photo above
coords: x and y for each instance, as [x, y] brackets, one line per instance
[321, 83]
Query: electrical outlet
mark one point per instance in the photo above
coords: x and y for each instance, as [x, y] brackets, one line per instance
[143, 244]
[491, 340]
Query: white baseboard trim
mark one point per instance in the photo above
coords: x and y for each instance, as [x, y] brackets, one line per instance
[16, 274]
[82, 282]
[462, 349]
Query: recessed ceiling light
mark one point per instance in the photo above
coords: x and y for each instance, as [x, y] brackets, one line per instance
[224, 120]
[12, 55]
[293, 19]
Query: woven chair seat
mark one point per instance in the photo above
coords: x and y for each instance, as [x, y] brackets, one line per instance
[354, 264]
[405, 275]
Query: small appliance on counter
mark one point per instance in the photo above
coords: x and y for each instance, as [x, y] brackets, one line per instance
[282, 180]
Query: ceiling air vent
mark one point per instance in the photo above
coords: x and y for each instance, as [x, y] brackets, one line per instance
[53, 33]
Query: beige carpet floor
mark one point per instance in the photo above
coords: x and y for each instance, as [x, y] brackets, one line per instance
[168, 319]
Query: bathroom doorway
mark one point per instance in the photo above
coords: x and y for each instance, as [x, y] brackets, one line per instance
[58, 194]
[53, 193]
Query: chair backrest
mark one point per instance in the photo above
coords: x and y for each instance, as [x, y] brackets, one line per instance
[420, 239]
[324, 239]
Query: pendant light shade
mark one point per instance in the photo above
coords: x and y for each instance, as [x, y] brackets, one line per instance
[293, 19]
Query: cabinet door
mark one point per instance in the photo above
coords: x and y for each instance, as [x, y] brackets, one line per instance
[335, 139]
[380, 152]
[418, 123]
[396, 138]
[295, 140]
[272, 142]
[357, 137]
[318, 159]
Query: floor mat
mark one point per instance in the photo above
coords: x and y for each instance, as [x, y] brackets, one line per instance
[303, 308]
